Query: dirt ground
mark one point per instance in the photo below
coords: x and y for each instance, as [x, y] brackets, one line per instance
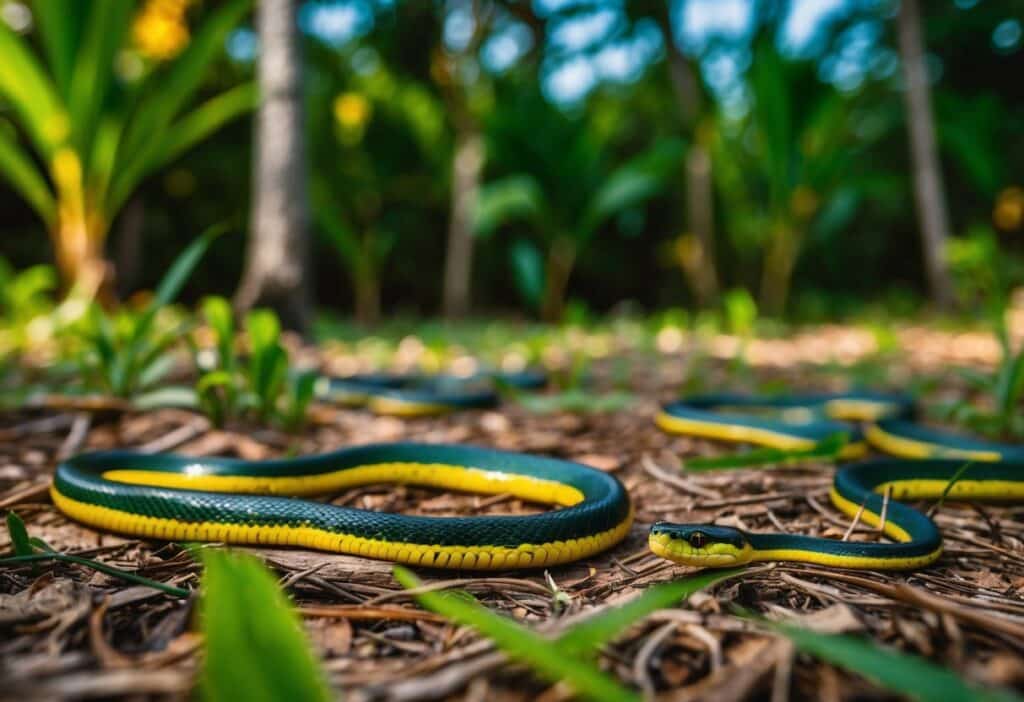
[68, 632]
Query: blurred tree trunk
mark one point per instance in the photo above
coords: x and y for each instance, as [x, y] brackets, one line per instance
[467, 163]
[924, 154]
[700, 213]
[467, 169]
[277, 260]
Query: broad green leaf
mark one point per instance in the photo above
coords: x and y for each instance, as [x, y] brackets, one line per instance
[637, 180]
[498, 202]
[175, 278]
[19, 535]
[60, 26]
[591, 634]
[168, 396]
[528, 267]
[169, 94]
[30, 92]
[201, 122]
[546, 658]
[900, 672]
[18, 169]
[255, 647]
[93, 71]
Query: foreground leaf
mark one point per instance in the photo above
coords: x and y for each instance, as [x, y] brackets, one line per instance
[255, 647]
[545, 657]
[591, 634]
[900, 672]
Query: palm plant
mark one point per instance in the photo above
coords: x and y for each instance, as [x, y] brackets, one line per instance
[90, 135]
[779, 168]
[558, 179]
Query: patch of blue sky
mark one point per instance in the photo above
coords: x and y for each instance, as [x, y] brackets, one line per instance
[336, 22]
[505, 47]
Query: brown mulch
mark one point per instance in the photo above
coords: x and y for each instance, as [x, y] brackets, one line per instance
[68, 632]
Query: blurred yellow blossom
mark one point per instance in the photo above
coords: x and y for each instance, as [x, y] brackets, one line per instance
[804, 201]
[352, 110]
[159, 31]
[1009, 209]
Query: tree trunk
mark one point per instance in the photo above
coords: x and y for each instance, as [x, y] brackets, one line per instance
[467, 168]
[928, 188]
[561, 259]
[277, 260]
[700, 208]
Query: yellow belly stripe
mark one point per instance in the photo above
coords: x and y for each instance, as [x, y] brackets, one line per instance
[439, 475]
[847, 561]
[478, 557]
[965, 489]
[406, 408]
[891, 529]
[852, 410]
[751, 435]
[913, 448]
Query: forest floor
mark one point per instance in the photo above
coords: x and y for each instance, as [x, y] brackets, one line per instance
[69, 632]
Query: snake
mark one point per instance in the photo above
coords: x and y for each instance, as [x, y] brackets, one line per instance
[179, 498]
[419, 395]
[926, 463]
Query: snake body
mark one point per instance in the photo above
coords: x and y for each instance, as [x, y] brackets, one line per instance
[869, 491]
[219, 499]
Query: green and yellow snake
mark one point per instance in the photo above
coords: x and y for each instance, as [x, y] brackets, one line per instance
[868, 490]
[253, 502]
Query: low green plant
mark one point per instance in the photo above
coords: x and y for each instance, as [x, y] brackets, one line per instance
[1003, 389]
[33, 550]
[27, 310]
[255, 647]
[261, 386]
[127, 354]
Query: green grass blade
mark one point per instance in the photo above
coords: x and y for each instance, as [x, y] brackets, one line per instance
[60, 23]
[545, 657]
[826, 449]
[900, 672]
[106, 25]
[19, 535]
[96, 565]
[30, 92]
[256, 649]
[23, 175]
[175, 278]
[591, 634]
[206, 119]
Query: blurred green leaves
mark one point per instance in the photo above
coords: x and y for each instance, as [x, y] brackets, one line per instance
[95, 138]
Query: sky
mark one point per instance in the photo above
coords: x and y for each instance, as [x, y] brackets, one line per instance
[577, 60]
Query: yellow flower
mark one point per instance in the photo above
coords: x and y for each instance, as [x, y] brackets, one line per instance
[1009, 210]
[159, 30]
[352, 110]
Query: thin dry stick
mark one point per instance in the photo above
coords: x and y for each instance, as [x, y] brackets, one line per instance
[855, 522]
[885, 508]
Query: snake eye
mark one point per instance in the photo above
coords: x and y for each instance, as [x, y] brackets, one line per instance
[697, 539]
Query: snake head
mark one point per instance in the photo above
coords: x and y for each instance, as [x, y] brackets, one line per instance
[700, 545]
